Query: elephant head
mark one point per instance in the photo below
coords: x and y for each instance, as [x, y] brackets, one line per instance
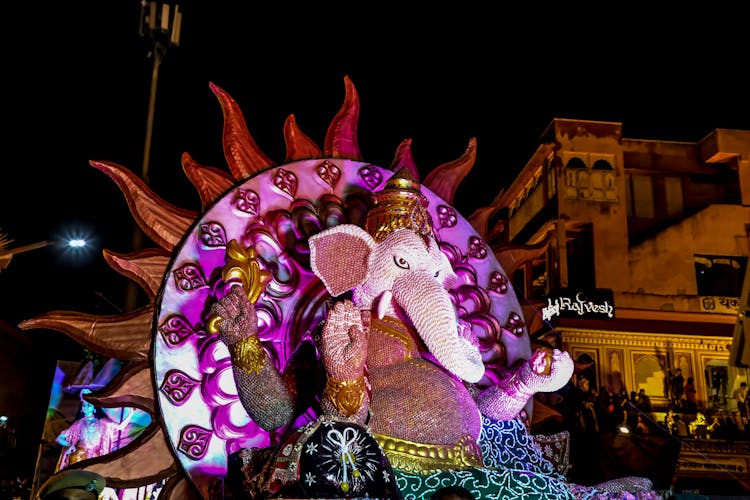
[396, 268]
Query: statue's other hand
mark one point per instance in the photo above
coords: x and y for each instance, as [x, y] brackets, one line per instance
[548, 370]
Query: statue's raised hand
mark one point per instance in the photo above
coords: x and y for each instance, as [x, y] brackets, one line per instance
[237, 319]
[344, 341]
[260, 387]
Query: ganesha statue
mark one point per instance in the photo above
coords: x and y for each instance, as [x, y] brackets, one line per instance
[391, 374]
[324, 328]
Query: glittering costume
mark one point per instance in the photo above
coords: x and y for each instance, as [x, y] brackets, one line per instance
[399, 367]
[504, 462]
[88, 437]
[328, 458]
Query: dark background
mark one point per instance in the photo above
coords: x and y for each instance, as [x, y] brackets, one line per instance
[78, 75]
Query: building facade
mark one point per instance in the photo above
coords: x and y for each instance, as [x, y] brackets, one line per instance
[642, 246]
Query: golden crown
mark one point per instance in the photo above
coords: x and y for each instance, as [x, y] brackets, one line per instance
[399, 205]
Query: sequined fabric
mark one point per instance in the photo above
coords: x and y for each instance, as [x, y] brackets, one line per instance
[446, 412]
[556, 449]
[514, 467]
[328, 458]
[89, 437]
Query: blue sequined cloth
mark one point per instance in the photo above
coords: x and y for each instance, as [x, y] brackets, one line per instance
[514, 467]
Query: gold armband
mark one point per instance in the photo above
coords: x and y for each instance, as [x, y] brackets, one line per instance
[248, 354]
[346, 396]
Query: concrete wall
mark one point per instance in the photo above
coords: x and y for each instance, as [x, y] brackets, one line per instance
[665, 264]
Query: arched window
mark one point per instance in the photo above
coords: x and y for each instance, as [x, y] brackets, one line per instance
[576, 162]
[602, 179]
[576, 174]
[602, 165]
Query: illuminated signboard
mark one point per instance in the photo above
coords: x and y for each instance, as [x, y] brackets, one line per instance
[582, 304]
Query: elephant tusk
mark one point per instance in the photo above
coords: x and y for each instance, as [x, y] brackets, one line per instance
[383, 302]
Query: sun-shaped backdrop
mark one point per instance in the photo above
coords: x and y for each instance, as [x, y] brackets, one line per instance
[178, 372]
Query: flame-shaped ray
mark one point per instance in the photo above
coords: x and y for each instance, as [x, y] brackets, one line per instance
[480, 221]
[544, 413]
[163, 222]
[125, 337]
[5, 242]
[144, 461]
[132, 386]
[298, 145]
[179, 488]
[532, 313]
[547, 337]
[341, 138]
[146, 267]
[405, 159]
[209, 181]
[444, 180]
[513, 255]
[243, 156]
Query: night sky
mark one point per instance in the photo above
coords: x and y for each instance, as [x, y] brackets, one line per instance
[77, 83]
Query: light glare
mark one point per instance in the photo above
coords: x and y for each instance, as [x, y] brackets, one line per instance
[77, 243]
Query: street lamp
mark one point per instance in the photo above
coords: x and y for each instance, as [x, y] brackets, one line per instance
[7, 253]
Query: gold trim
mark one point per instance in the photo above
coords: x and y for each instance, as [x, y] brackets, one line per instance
[242, 264]
[395, 328]
[346, 396]
[248, 354]
[430, 458]
[399, 205]
[587, 338]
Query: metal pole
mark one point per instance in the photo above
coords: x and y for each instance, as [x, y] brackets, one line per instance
[159, 51]
[131, 292]
[161, 24]
[7, 255]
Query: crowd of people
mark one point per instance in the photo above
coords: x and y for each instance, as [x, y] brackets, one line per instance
[601, 411]
[719, 425]
[682, 393]
[591, 410]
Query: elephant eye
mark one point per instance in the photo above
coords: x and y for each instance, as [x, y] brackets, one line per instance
[400, 262]
[437, 273]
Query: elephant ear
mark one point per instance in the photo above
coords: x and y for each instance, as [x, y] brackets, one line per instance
[339, 256]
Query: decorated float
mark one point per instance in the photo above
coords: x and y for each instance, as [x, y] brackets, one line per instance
[323, 328]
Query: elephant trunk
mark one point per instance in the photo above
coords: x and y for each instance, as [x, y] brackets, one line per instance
[429, 307]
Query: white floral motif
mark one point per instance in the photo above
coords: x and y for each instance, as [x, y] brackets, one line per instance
[309, 479]
[312, 448]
